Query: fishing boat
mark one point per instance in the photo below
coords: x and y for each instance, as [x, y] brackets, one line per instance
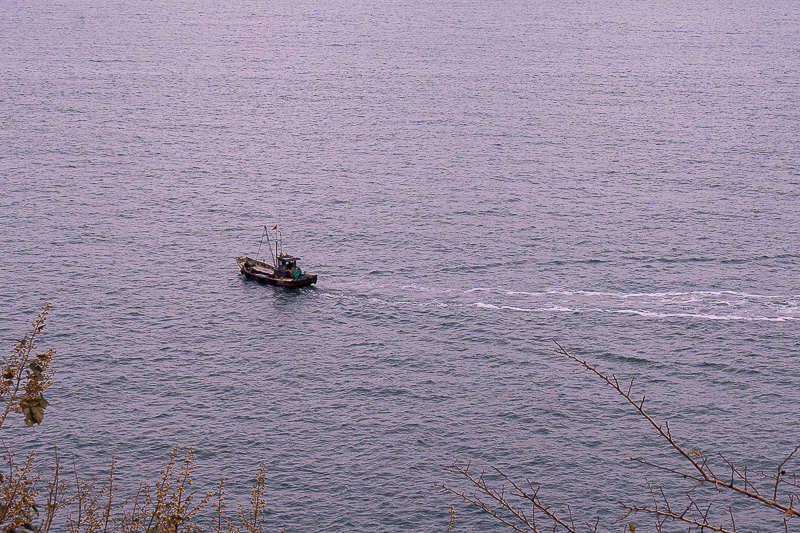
[285, 274]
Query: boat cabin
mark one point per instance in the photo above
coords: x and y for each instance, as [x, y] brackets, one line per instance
[287, 266]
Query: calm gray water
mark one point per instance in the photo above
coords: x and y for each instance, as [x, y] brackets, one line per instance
[470, 180]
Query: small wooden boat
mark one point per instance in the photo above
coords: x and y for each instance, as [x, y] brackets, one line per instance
[286, 274]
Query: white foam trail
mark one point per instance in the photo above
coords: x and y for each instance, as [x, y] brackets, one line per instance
[419, 288]
[700, 305]
[624, 295]
[638, 312]
[704, 316]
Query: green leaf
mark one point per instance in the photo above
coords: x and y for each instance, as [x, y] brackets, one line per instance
[33, 409]
[36, 369]
[33, 415]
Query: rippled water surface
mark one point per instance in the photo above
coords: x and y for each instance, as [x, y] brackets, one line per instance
[470, 180]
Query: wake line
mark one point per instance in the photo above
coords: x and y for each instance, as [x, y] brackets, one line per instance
[752, 311]
[624, 295]
[639, 312]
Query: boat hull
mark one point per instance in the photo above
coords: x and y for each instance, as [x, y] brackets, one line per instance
[265, 273]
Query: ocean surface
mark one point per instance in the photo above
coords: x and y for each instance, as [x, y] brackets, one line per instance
[470, 180]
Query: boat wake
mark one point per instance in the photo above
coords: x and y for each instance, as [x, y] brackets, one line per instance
[704, 305]
[699, 305]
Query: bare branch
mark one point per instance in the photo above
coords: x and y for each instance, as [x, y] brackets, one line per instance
[781, 471]
[502, 499]
[703, 469]
[677, 517]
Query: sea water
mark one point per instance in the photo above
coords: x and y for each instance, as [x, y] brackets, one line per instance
[471, 181]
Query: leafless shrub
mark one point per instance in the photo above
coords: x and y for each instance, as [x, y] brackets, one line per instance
[519, 506]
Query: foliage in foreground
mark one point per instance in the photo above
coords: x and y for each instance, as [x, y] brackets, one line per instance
[35, 502]
[519, 506]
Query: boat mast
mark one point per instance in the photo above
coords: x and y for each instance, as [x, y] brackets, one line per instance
[259, 245]
[269, 245]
